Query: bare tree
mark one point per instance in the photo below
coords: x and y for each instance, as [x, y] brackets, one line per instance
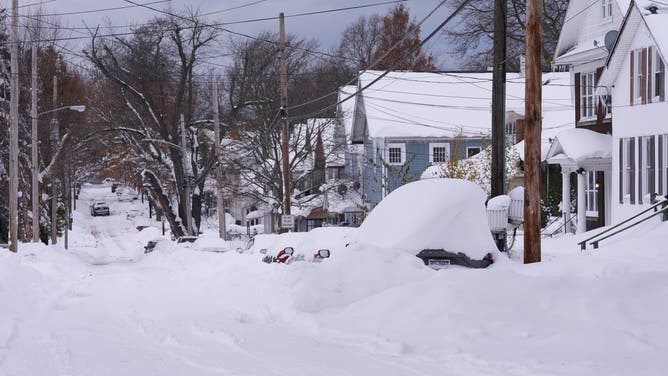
[472, 40]
[360, 40]
[150, 82]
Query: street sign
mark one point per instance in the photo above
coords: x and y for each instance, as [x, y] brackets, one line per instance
[287, 221]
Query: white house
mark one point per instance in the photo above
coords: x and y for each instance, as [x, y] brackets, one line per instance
[635, 76]
[588, 32]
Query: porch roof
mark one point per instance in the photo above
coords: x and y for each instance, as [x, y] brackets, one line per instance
[578, 146]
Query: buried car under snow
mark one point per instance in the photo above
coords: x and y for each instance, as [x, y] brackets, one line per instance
[442, 221]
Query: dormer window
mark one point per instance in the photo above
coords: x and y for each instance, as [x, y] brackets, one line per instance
[606, 6]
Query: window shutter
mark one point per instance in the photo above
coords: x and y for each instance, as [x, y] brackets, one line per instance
[661, 162]
[630, 78]
[662, 69]
[643, 83]
[641, 170]
[577, 97]
[650, 91]
[651, 184]
[621, 171]
[632, 174]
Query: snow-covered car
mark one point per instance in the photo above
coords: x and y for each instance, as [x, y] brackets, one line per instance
[287, 256]
[99, 208]
[441, 221]
[132, 213]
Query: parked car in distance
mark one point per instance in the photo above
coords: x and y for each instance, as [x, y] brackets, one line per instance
[99, 208]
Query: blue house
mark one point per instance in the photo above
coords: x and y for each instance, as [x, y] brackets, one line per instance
[407, 121]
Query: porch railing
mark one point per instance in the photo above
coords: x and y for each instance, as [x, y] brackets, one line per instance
[660, 208]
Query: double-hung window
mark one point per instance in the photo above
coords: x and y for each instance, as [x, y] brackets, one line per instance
[396, 154]
[439, 152]
[637, 77]
[658, 75]
[606, 6]
[587, 97]
[627, 168]
[647, 167]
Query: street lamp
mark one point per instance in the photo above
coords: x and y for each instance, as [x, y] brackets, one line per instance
[35, 164]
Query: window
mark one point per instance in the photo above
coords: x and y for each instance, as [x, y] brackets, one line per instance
[587, 97]
[439, 152]
[606, 6]
[396, 154]
[591, 194]
[658, 76]
[626, 164]
[646, 167]
[472, 150]
[637, 77]
[511, 132]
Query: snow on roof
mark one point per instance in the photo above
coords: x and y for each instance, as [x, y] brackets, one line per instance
[419, 104]
[431, 214]
[578, 23]
[657, 25]
[347, 108]
[578, 145]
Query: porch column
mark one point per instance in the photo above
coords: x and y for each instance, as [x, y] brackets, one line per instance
[566, 199]
[582, 218]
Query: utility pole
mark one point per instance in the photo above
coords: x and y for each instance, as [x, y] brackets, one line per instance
[186, 169]
[14, 131]
[499, 101]
[220, 203]
[34, 148]
[55, 137]
[284, 118]
[532, 130]
[498, 183]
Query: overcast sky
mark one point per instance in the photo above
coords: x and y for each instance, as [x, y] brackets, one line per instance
[326, 28]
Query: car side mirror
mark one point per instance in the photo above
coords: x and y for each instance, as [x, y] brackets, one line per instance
[240, 250]
[289, 250]
[323, 253]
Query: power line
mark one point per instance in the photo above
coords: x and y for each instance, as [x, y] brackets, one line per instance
[386, 72]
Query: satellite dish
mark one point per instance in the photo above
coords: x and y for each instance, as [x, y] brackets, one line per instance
[342, 189]
[609, 39]
[357, 185]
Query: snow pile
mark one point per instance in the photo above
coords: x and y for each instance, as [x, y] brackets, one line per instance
[436, 213]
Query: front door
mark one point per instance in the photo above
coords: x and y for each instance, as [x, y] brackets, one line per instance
[595, 194]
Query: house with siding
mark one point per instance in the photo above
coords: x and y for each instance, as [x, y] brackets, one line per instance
[635, 76]
[588, 32]
[408, 121]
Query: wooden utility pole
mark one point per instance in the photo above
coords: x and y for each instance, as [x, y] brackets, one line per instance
[284, 119]
[532, 130]
[498, 186]
[34, 147]
[55, 137]
[220, 203]
[186, 176]
[14, 131]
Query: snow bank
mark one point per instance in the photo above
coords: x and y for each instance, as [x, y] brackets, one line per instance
[435, 213]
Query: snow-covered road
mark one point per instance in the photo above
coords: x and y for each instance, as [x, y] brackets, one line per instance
[105, 308]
